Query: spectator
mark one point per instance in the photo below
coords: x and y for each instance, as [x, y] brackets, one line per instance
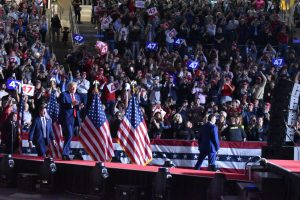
[258, 132]
[55, 26]
[234, 132]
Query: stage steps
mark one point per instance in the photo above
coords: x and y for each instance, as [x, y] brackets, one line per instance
[248, 190]
[86, 13]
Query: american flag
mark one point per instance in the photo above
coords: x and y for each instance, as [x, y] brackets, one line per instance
[133, 135]
[53, 111]
[95, 133]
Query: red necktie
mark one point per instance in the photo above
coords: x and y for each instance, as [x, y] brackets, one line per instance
[73, 99]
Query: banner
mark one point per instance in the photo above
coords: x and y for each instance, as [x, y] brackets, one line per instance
[231, 157]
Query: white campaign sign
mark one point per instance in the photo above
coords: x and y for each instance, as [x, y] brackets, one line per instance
[172, 33]
[152, 11]
[140, 4]
[107, 21]
[28, 89]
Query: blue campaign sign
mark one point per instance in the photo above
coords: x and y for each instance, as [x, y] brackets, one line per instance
[78, 38]
[178, 41]
[193, 64]
[278, 62]
[12, 84]
[152, 46]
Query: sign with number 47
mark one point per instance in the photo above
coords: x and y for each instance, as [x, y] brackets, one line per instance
[278, 62]
[28, 89]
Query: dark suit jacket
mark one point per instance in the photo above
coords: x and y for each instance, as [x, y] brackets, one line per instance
[208, 138]
[36, 132]
[67, 110]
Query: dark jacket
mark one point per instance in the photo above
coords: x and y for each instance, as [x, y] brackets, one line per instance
[208, 138]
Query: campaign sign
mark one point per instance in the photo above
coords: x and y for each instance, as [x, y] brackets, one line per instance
[152, 11]
[278, 62]
[178, 41]
[193, 64]
[172, 33]
[78, 38]
[140, 4]
[12, 84]
[102, 47]
[107, 21]
[28, 89]
[152, 46]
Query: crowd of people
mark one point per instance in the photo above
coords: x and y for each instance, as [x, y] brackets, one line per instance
[233, 44]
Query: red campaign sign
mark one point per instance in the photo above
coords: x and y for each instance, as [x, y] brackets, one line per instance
[102, 47]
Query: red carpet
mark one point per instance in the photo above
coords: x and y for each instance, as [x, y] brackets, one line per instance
[174, 171]
[292, 166]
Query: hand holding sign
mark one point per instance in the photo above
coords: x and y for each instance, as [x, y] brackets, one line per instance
[28, 89]
[102, 47]
[278, 62]
[12, 84]
[179, 41]
[152, 46]
[78, 38]
[193, 64]
[152, 11]
[172, 33]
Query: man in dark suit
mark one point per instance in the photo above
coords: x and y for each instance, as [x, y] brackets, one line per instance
[10, 134]
[208, 143]
[41, 133]
[69, 115]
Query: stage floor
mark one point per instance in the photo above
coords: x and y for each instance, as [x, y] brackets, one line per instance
[292, 166]
[133, 167]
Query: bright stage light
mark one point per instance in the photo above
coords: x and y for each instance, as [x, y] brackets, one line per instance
[161, 185]
[7, 171]
[47, 169]
[98, 176]
[169, 164]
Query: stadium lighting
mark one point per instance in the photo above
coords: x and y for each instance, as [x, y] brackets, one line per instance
[169, 164]
[161, 186]
[7, 171]
[98, 176]
[47, 171]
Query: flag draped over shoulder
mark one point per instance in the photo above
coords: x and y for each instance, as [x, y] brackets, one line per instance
[53, 111]
[95, 133]
[133, 134]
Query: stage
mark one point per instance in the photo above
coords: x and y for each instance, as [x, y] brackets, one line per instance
[75, 176]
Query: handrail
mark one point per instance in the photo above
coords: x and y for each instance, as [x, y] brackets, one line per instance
[73, 25]
[253, 163]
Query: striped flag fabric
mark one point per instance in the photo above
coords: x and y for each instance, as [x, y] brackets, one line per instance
[53, 112]
[133, 134]
[95, 132]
